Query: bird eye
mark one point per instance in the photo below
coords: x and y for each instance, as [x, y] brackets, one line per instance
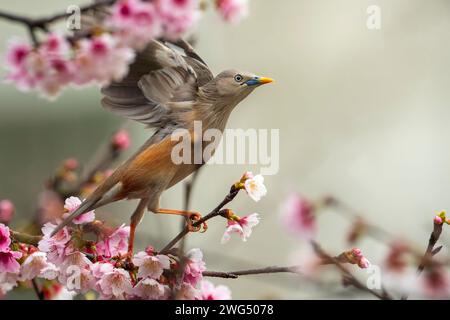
[238, 78]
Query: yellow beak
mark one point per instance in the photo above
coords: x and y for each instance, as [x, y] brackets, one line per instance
[264, 80]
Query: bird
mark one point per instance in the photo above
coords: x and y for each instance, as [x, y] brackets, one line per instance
[168, 87]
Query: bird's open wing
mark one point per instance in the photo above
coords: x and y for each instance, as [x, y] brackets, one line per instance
[159, 77]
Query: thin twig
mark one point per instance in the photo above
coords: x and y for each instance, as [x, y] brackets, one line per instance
[236, 274]
[41, 23]
[25, 238]
[214, 213]
[430, 251]
[36, 289]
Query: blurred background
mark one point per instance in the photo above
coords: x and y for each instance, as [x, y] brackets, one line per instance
[363, 116]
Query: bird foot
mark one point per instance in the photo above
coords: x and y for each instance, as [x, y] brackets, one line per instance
[192, 221]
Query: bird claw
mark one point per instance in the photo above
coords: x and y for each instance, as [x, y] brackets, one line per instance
[192, 219]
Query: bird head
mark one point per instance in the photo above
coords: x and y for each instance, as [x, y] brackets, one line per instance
[237, 84]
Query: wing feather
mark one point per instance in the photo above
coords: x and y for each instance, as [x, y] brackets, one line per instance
[158, 79]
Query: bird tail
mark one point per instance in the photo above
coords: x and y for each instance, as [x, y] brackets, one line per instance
[105, 193]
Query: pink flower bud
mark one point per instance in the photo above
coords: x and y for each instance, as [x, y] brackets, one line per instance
[438, 220]
[357, 253]
[121, 140]
[363, 263]
[70, 164]
[150, 250]
[6, 211]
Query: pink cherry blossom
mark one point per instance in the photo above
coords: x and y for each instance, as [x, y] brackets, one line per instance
[8, 261]
[178, 16]
[116, 284]
[55, 45]
[121, 140]
[6, 211]
[135, 22]
[47, 68]
[255, 187]
[77, 264]
[151, 266]
[233, 10]
[5, 240]
[175, 26]
[71, 204]
[101, 59]
[115, 244]
[243, 227]
[177, 7]
[36, 265]
[186, 291]
[211, 292]
[99, 269]
[16, 54]
[7, 282]
[193, 272]
[298, 216]
[56, 247]
[151, 289]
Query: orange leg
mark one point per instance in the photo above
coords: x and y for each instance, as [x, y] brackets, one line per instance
[135, 220]
[191, 218]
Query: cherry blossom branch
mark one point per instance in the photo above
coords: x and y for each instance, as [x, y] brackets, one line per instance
[25, 238]
[33, 24]
[214, 213]
[41, 23]
[348, 277]
[237, 274]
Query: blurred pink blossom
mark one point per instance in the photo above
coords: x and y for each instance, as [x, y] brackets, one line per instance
[211, 292]
[298, 216]
[121, 140]
[8, 261]
[177, 16]
[71, 164]
[355, 256]
[16, 54]
[6, 211]
[7, 282]
[5, 240]
[232, 10]
[55, 44]
[102, 60]
[135, 22]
